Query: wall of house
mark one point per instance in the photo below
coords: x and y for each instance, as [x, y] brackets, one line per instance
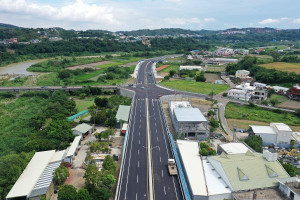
[267, 138]
[284, 137]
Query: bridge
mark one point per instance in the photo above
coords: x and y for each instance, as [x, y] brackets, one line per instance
[52, 89]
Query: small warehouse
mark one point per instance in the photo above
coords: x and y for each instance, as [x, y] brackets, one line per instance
[82, 130]
[36, 179]
[73, 149]
[123, 114]
[232, 148]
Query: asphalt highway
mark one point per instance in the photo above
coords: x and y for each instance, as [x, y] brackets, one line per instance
[133, 182]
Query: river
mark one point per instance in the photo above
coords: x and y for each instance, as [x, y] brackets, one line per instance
[19, 68]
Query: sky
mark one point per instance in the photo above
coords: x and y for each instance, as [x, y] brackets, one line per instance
[125, 15]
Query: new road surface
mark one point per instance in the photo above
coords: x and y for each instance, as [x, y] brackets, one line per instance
[147, 129]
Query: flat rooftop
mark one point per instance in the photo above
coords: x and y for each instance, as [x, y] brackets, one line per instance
[281, 127]
[123, 113]
[234, 148]
[189, 152]
[263, 129]
[189, 115]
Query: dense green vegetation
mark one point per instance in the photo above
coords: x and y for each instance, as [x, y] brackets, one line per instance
[69, 192]
[255, 142]
[206, 150]
[33, 122]
[106, 109]
[261, 74]
[252, 112]
[57, 64]
[197, 87]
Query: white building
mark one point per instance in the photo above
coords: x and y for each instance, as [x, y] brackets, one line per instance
[277, 133]
[188, 120]
[190, 67]
[239, 94]
[280, 90]
[36, 179]
[73, 149]
[246, 86]
[232, 148]
[242, 74]
[202, 180]
[257, 84]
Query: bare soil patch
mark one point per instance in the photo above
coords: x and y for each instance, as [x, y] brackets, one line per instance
[161, 67]
[129, 64]
[290, 104]
[210, 77]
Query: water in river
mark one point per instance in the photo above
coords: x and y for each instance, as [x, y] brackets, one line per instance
[18, 68]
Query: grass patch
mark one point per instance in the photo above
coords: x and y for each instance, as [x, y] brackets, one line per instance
[279, 98]
[197, 87]
[83, 104]
[283, 66]
[246, 112]
[48, 79]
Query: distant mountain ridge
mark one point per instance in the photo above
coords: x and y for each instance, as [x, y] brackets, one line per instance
[2, 25]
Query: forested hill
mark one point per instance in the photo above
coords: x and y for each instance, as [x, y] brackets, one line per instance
[165, 31]
[2, 25]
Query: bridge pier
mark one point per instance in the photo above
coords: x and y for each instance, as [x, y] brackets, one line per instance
[17, 92]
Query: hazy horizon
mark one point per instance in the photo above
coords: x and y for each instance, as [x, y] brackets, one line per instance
[127, 15]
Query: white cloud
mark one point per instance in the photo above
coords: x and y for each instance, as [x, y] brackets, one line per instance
[75, 11]
[269, 21]
[296, 21]
[209, 20]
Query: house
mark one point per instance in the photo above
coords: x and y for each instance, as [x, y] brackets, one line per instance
[260, 94]
[36, 179]
[280, 90]
[202, 180]
[82, 130]
[242, 74]
[188, 120]
[294, 92]
[277, 133]
[190, 67]
[239, 94]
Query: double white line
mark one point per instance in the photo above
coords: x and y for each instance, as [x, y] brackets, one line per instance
[149, 154]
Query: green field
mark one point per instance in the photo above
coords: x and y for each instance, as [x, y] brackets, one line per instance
[246, 112]
[279, 98]
[197, 87]
[83, 104]
[171, 67]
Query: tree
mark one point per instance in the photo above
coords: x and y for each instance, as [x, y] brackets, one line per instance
[109, 165]
[60, 175]
[211, 113]
[290, 169]
[100, 117]
[274, 102]
[167, 78]
[298, 112]
[112, 121]
[214, 123]
[270, 92]
[67, 192]
[171, 73]
[108, 180]
[83, 194]
[255, 142]
[101, 102]
[63, 74]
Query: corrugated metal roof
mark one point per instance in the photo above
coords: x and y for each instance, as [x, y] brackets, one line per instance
[82, 128]
[45, 180]
[123, 113]
[31, 174]
[189, 115]
[254, 166]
